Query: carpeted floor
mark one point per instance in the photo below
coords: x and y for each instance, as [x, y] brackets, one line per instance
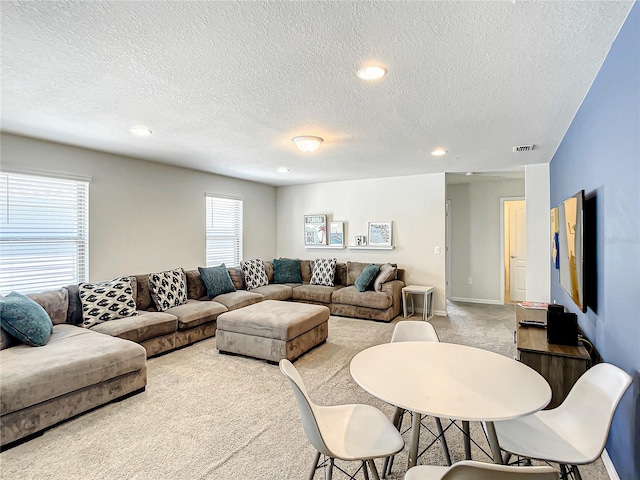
[210, 416]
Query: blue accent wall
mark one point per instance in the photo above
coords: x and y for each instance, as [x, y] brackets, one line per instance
[600, 153]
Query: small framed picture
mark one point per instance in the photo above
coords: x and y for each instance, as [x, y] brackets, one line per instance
[380, 234]
[361, 241]
[315, 229]
[336, 233]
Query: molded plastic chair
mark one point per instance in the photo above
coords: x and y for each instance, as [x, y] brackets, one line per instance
[347, 432]
[471, 470]
[414, 331]
[575, 432]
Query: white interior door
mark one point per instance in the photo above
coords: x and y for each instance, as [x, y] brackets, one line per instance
[517, 251]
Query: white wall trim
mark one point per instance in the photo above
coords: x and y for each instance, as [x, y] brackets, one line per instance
[608, 465]
[440, 313]
[477, 300]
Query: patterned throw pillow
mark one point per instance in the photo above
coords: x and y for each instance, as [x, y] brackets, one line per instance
[106, 301]
[286, 270]
[254, 273]
[324, 271]
[168, 289]
[217, 280]
[365, 279]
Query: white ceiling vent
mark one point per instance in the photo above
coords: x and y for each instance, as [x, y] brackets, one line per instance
[522, 148]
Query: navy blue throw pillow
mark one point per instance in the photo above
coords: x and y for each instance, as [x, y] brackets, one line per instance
[286, 270]
[365, 279]
[217, 280]
[24, 319]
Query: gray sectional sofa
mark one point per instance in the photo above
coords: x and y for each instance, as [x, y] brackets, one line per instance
[81, 368]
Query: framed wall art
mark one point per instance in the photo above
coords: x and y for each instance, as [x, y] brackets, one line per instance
[379, 234]
[336, 233]
[315, 229]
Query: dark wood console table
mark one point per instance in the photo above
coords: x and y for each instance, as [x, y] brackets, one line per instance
[560, 365]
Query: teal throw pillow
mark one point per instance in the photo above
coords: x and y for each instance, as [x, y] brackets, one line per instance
[24, 319]
[217, 280]
[365, 279]
[286, 270]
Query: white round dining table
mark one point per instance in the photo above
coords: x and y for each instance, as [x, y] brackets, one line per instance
[447, 380]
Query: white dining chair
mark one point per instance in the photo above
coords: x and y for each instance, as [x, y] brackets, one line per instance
[347, 432]
[414, 331]
[575, 432]
[472, 470]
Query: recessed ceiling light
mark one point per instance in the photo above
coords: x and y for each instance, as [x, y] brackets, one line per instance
[438, 152]
[307, 143]
[373, 72]
[140, 131]
[284, 170]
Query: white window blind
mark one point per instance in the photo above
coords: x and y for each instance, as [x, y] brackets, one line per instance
[224, 231]
[43, 232]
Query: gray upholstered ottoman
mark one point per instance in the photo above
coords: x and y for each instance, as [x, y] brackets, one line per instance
[273, 330]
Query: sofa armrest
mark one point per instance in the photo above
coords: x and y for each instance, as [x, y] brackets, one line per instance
[394, 287]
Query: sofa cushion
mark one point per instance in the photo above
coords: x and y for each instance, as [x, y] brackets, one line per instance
[104, 301]
[25, 320]
[143, 295]
[74, 311]
[274, 291]
[313, 293]
[195, 313]
[286, 270]
[6, 340]
[54, 302]
[351, 296]
[387, 273]
[238, 299]
[142, 327]
[306, 267]
[324, 271]
[254, 273]
[354, 270]
[168, 288]
[217, 280]
[74, 358]
[236, 277]
[268, 269]
[195, 285]
[365, 280]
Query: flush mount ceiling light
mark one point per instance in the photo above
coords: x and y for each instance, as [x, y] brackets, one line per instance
[307, 143]
[438, 152]
[140, 131]
[373, 72]
[284, 170]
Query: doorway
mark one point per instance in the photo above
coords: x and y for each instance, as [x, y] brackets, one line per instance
[514, 249]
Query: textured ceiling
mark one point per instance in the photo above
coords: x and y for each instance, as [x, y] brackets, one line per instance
[225, 85]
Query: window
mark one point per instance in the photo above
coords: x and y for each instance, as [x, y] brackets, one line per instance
[44, 236]
[224, 231]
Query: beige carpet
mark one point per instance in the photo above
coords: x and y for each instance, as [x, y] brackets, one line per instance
[211, 416]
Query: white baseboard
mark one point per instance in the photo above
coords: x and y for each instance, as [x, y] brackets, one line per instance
[440, 313]
[476, 300]
[608, 465]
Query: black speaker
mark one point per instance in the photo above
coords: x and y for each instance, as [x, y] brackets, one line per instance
[562, 328]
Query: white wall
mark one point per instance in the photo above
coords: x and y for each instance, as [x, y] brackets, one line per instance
[146, 216]
[415, 204]
[538, 232]
[475, 238]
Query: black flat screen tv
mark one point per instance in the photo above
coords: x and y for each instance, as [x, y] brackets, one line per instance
[569, 233]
